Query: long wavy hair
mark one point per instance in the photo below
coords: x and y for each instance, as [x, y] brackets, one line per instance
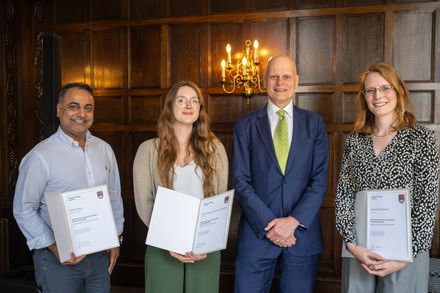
[405, 116]
[202, 141]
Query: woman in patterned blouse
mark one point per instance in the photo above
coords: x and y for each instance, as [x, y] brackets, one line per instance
[387, 150]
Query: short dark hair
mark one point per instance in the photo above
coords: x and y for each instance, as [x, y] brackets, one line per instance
[68, 86]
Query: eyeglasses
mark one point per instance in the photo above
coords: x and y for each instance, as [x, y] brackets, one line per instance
[181, 102]
[285, 77]
[385, 89]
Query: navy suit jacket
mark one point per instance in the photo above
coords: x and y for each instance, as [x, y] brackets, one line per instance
[264, 193]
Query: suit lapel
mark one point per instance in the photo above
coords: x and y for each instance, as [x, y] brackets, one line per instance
[263, 128]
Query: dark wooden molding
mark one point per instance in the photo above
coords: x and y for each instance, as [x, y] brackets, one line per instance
[40, 30]
[4, 245]
[11, 94]
[243, 17]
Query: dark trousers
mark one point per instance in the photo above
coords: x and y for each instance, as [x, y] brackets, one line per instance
[254, 275]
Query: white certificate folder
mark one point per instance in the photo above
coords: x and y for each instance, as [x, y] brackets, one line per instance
[182, 223]
[383, 223]
[82, 221]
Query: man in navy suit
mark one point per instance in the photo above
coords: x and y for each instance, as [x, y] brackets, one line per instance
[280, 199]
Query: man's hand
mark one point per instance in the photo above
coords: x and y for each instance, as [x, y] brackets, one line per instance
[70, 262]
[114, 254]
[281, 231]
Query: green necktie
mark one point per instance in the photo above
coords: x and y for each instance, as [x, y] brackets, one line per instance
[281, 140]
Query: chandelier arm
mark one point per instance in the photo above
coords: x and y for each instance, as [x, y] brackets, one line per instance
[262, 90]
[231, 91]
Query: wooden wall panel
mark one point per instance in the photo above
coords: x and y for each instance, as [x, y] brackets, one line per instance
[75, 58]
[147, 9]
[349, 108]
[144, 109]
[114, 138]
[410, 1]
[423, 106]
[275, 44]
[271, 5]
[109, 9]
[185, 53]
[315, 49]
[318, 103]
[186, 7]
[413, 33]
[332, 173]
[224, 109]
[109, 110]
[134, 140]
[136, 232]
[363, 2]
[109, 59]
[299, 4]
[258, 102]
[71, 11]
[145, 52]
[360, 49]
[221, 35]
[227, 6]
[330, 260]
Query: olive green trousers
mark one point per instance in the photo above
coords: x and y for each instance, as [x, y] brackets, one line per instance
[165, 274]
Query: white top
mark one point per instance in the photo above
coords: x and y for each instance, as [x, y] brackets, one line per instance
[274, 117]
[188, 180]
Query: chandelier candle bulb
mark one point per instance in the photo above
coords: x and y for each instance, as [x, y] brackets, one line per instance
[256, 51]
[228, 51]
[244, 62]
[223, 64]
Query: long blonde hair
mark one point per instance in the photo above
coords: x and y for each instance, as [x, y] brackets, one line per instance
[202, 141]
[405, 116]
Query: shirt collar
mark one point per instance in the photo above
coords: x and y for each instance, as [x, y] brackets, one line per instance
[69, 140]
[272, 108]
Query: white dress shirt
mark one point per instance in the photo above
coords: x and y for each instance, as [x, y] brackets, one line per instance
[59, 164]
[274, 117]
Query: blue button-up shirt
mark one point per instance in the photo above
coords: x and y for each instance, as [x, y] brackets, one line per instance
[59, 164]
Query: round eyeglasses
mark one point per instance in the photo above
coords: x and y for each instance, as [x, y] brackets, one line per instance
[182, 102]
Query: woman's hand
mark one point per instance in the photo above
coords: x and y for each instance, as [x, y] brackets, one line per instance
[385, 268]
[189, 257]
[181, 257]
[195, 256]
[365, 256]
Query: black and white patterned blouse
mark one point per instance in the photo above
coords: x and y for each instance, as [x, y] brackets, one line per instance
[411, 160]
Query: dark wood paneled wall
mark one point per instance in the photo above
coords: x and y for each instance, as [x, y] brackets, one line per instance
[132, 51]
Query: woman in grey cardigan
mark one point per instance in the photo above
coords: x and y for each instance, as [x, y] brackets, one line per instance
[187, 157]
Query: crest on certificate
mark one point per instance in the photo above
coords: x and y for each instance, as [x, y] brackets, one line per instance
[401, 198]
[100, 194]
[226, 199]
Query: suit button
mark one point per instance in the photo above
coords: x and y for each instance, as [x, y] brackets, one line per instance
[285, 180]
